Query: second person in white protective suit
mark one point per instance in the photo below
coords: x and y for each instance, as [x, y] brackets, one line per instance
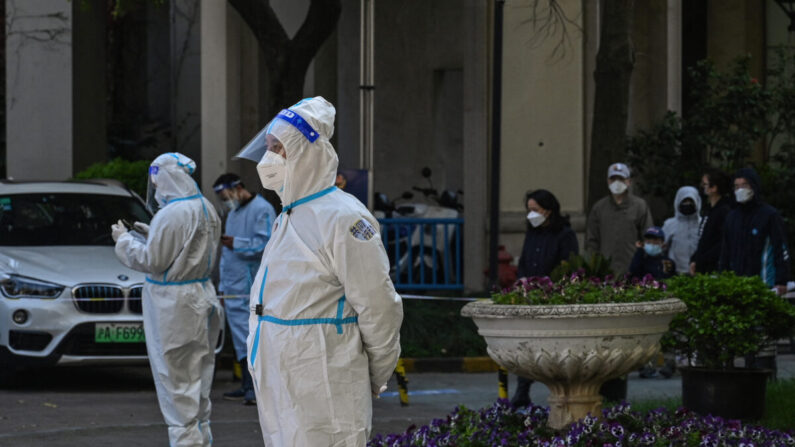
[325, 325]
[182, 315]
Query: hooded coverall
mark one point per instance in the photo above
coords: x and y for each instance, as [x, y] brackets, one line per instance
[325, 322]
[182, 315]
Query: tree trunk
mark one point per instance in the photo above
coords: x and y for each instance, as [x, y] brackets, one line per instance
[287, 60]
[614, 63]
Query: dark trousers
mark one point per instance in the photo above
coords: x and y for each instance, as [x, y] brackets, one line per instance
[521, 397]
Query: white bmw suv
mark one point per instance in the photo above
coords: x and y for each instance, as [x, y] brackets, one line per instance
[64, 296]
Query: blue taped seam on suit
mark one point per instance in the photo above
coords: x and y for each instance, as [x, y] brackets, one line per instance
[176, 283]
[310, 321]
[179, 163]
[308, 198]
[195, 196]
[254, 348]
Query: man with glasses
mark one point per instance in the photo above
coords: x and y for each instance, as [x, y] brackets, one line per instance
[716, 186]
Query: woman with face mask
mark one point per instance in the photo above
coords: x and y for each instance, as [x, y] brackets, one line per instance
[681, 231]
[549, 241]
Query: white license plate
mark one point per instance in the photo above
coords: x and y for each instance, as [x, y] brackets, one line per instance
[119, 333]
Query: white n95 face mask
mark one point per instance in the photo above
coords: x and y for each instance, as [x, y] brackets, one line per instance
[271, 171]
[535, 218]
[618, 187]
[743, 195]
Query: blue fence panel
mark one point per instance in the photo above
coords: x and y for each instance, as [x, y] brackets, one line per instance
[424, 254]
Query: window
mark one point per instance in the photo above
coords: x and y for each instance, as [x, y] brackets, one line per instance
[64, 219]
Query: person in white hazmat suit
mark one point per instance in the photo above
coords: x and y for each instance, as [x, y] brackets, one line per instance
[681, 231]
[324, 333]
[182, 315]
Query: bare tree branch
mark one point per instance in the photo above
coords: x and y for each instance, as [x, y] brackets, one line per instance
[321, 19]
[288, 59]
[549, 20]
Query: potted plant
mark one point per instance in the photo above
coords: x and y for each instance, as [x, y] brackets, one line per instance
[574, 334]
[728, 317]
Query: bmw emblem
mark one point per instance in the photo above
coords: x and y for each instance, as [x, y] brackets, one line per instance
[123, 277]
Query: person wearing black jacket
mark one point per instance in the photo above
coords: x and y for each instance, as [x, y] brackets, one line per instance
[549, 241]
[754, 240]
[716, 185]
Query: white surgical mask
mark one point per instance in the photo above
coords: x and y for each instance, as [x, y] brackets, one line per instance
[535, 218]
[231, 204]
[271, 171]
[743, 194]
[618, 187]
[652, 249]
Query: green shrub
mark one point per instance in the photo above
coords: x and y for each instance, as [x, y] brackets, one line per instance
[595, 266]
[131, 173]
[437, 329]
[727, 316]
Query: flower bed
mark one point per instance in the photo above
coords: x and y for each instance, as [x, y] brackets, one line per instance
[502, 425]
[577, 289]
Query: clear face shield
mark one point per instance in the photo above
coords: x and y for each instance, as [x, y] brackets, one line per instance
[228, 195]
[272, 135]
[152, 203]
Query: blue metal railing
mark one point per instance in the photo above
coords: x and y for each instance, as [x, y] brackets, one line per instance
[424, 254]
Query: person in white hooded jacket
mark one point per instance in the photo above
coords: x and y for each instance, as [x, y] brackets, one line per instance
[681, 231]
[182, 315]
[325, 324]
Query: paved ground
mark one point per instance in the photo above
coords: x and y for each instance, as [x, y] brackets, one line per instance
[117, 406]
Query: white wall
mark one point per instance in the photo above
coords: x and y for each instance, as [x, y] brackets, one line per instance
[39, 89]
[542, 112]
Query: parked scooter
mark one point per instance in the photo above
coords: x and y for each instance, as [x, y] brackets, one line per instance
[423, 248]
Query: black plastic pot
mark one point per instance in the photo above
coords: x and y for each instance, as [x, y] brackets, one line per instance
[729, 393]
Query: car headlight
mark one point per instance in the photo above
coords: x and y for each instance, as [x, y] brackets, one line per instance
[14, 286]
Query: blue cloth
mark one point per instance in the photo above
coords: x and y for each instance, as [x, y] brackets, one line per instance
[644, 264]
[250, 225]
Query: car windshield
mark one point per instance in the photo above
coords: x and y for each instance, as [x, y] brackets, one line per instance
[64, 219]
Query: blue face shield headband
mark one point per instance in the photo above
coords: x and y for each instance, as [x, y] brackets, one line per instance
[223, 186]
[299, 123]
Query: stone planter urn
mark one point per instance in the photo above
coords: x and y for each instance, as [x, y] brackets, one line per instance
[573, 349]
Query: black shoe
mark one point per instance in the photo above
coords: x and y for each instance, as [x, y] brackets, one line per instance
[237, 394]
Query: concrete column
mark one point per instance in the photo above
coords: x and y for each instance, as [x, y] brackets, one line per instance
[477, 19]
[89, 88]
[39, 89]
[657, 76]
[736, 28]
[674, 55]
[214, 92]
[543, 128]
[186, 77]
[348, 38]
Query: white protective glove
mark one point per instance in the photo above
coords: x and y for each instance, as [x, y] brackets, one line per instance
[117, 230]
[141, 228]
[378, 396]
